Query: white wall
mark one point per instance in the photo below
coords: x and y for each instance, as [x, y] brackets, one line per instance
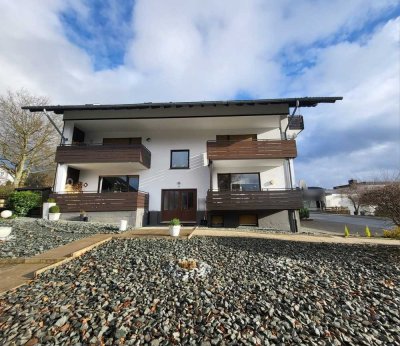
[338, 200]
[5, 177]
[163, 139]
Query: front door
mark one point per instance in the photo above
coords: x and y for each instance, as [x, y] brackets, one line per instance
[181, 204]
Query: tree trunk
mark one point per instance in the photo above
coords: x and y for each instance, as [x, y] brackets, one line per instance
[19, 171]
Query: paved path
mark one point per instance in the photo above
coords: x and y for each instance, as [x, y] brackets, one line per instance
[317, 238]
[334, 224]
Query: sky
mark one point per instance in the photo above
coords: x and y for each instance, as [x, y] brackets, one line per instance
[97, 51]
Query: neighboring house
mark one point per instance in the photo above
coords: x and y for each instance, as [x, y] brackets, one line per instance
[314, 198]
[5, 177]
[337, 197]
[222, 163]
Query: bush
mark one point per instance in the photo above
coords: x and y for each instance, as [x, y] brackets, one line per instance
[6, 190]
[51, 200]
[23, 201]
[54, 209]
[392, 233]
[304, 213]
[175, 222]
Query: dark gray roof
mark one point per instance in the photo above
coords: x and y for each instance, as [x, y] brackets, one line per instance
[303, 102]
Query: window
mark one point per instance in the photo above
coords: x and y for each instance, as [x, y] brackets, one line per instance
[119, 183]
[239, 182]
[179, 159]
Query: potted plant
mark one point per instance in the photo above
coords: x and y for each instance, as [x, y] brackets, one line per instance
[46, 206]
[174, 227]
[54, 213]
[82, 215]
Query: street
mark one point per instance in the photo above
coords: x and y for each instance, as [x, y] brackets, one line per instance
[333, 223]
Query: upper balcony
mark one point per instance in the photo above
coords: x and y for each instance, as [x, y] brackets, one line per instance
[251, 149]
[82, 153]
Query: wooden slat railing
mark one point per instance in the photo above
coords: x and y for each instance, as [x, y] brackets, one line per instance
[254, 200]
[88, 153]
[107, 201]
[258, 149]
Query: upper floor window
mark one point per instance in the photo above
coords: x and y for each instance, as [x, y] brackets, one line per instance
[179, 159]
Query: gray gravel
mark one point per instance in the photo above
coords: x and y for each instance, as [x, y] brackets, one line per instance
[257, 292]
[33, 236]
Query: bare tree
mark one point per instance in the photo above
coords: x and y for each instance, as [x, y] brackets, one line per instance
[386, 198]
[354, 192]
[27, 140]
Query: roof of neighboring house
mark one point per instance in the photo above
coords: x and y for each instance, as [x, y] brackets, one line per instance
[361, 183]
[291, 102]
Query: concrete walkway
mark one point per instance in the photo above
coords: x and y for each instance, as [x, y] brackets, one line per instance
[317, 238]
[14, 275]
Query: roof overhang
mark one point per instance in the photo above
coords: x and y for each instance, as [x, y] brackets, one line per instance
[288, 102]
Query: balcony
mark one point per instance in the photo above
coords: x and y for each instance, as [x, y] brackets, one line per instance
[100, 153]
[106, 201]
[254, 149]
[281, 199]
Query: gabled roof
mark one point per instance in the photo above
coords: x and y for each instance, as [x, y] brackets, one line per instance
[291, 102]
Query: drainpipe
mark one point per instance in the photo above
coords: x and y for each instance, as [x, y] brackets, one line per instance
[293, 113]
[63, 139]
[292, 213]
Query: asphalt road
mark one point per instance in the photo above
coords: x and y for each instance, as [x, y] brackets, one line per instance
[332, 223]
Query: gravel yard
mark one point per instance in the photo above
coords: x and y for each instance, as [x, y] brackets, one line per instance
[33, 236]
[256, 292]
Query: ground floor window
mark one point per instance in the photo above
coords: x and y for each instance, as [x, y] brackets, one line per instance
[120, 183]
[248, 220]
[217, 221]
[239, 182]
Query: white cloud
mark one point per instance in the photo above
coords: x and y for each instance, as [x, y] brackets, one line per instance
[196, 50]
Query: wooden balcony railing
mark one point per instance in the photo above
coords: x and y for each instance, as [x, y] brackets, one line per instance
[254, 200]
[256, 149]
[107, 201]
[93, 153]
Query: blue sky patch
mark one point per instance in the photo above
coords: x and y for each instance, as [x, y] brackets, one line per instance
[103, 32]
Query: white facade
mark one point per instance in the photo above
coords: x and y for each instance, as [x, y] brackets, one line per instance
[160, 136]
[5, 177]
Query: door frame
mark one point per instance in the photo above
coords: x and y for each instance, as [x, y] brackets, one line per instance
[180, 201]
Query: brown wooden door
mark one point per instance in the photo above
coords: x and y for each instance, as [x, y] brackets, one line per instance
[181, 204]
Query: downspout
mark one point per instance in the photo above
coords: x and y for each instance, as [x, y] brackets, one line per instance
[63, 139]
[292, 213]
[285, 132]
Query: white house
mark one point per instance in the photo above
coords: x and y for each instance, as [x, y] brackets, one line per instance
[338, 196]
[222, 163]
[5, 177]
